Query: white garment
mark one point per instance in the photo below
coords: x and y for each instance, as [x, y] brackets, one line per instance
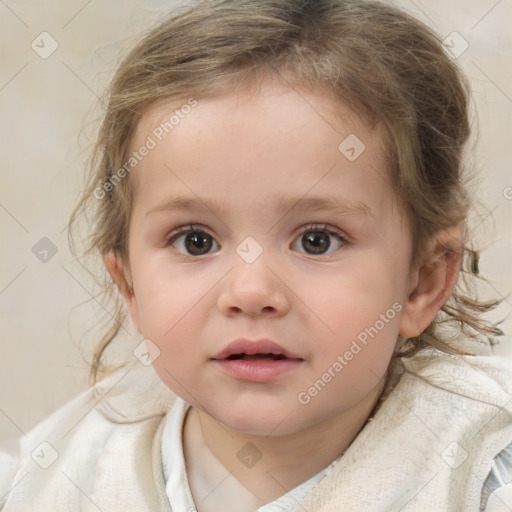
[499, 478]
[430, 446]
[177, 486]
[181, 499]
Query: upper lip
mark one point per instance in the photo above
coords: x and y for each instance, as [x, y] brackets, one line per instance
[251, 347]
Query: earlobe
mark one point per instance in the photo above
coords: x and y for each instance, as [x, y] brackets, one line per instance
[121, 275]
[433, 283]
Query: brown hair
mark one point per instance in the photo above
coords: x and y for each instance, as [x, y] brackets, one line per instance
[379, 60]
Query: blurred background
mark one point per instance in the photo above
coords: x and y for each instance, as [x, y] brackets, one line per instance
[56, 61]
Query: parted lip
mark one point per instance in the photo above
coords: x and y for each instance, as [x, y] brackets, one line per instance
[252, 347]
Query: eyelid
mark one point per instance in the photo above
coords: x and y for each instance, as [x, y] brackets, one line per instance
[326, 228]
[331, 230]
[312, 227]
[303, 229]
[187, 228]
[179, 231]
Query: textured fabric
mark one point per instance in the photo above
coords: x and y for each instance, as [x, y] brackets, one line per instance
[108, 445]
[177, 486]
[430, 446]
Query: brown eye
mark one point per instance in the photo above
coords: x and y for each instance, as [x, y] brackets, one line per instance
[319, 240]
[198, 243]
[192, 242]
[316, 242]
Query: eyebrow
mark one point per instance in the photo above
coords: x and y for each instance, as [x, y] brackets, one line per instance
[309, 203]
[333, 204]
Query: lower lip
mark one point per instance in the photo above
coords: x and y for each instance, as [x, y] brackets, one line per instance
[261, 370]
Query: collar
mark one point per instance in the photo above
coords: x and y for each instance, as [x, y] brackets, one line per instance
[175, 474]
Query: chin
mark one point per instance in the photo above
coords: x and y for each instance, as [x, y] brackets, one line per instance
[258, 421]
[258, 427]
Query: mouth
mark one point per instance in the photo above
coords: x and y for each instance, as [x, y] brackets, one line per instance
[256, 361]
[254, 350]
[256, 357]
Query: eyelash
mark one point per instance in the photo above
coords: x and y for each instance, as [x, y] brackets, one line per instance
[322, 228]
[316, 228]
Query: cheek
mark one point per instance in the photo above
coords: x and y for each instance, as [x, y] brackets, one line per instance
[350, 369]
[177, 333]
[171, 310]
[352, 298]
[358, 318]
[163, 298]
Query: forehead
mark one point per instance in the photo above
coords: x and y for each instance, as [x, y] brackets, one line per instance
[266, 104]
[265, 142]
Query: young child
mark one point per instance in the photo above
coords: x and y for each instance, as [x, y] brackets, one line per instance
[279, 196]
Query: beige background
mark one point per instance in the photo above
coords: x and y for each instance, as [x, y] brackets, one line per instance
[49, 116]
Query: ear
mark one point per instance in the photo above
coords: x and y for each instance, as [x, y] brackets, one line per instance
[432, 283]
[120, 273]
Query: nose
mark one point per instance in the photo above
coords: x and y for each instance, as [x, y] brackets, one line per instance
[253, 289]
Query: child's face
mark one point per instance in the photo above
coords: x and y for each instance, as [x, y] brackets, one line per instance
[262, 166]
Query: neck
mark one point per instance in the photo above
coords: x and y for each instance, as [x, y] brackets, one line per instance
[281, 466]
